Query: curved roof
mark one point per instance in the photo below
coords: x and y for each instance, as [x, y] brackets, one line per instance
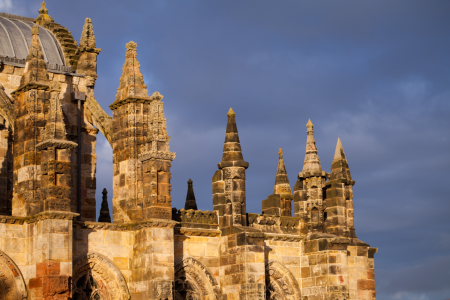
[15, 40]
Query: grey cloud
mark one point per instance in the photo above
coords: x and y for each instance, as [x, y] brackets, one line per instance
[374, 73]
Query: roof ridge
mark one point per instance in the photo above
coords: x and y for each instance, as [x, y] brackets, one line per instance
[16, 17]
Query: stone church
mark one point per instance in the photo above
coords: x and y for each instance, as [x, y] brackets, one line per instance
[52, 246]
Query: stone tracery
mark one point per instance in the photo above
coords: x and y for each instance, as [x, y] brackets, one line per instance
[97, 278]
[12, 285]
[193, 281]
[280, 283]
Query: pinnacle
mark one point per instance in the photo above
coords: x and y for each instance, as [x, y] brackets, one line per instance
[35, 68]
[87, 41]
[232, 147]
[43, 17]
[312, 161]
[231, 113]
[282, 186]
[339, 152]
[132, 85]
[190, 197]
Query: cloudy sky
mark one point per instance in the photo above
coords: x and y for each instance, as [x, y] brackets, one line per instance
[374, 73]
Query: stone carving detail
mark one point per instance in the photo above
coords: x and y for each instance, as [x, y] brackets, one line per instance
[163, 290]
[280, 283]
[96, 277]
[194, 281]
[12, 285]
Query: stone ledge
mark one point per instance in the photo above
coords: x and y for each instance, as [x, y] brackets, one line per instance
[127, 227]
[283, 237]
[38, 217]
[198, 232]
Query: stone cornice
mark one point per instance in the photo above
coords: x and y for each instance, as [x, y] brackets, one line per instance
[129, 226]
[198, 232]
[60, 144]
[283, 237]
[38, 217]
[157, 155]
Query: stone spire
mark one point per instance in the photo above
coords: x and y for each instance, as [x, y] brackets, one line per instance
[131, 84]
[35, 72]
[104, 211]
[190, 197]
[43, 17]
[282, 186]
[229, 181]
[232, 152]
[87, 42]
[339, 166]
[312, 161]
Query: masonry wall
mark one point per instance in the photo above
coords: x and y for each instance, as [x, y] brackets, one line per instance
[115, 245]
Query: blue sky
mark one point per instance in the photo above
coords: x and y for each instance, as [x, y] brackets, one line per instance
[374, 73]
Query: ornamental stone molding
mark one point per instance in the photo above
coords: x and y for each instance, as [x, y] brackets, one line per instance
[281, 283]
[191, 274]
[109, 281]
[12, 285]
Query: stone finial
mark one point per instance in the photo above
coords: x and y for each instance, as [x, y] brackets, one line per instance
[157, 96]
[312, 161]
[231, 113]
[43, 17]
[190, 197]
[43, 9]
[131, 46]
[87, 41]
[280, 153]
[104, 211]
[35, 30]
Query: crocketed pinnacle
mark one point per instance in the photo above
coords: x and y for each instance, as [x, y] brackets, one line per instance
[190, 197]
[282, 186]
[87, 42]
[339, 166]
[232, 152]
[43, 17]
[104, 211]
[55, 128]
[312, 161]
[35, 72]
[131, 82]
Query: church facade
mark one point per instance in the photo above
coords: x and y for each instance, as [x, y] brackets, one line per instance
[52, 246]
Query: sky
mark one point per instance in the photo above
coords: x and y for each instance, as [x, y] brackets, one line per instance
[374, 73]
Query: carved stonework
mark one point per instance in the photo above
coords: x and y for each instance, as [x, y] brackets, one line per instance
[194, 281]
[280, 283]
[12, 285]
[96, 277]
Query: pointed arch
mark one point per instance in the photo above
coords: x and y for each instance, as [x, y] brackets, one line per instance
[194, 281]
[12, 284]
[281, 283]
[95, 274]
